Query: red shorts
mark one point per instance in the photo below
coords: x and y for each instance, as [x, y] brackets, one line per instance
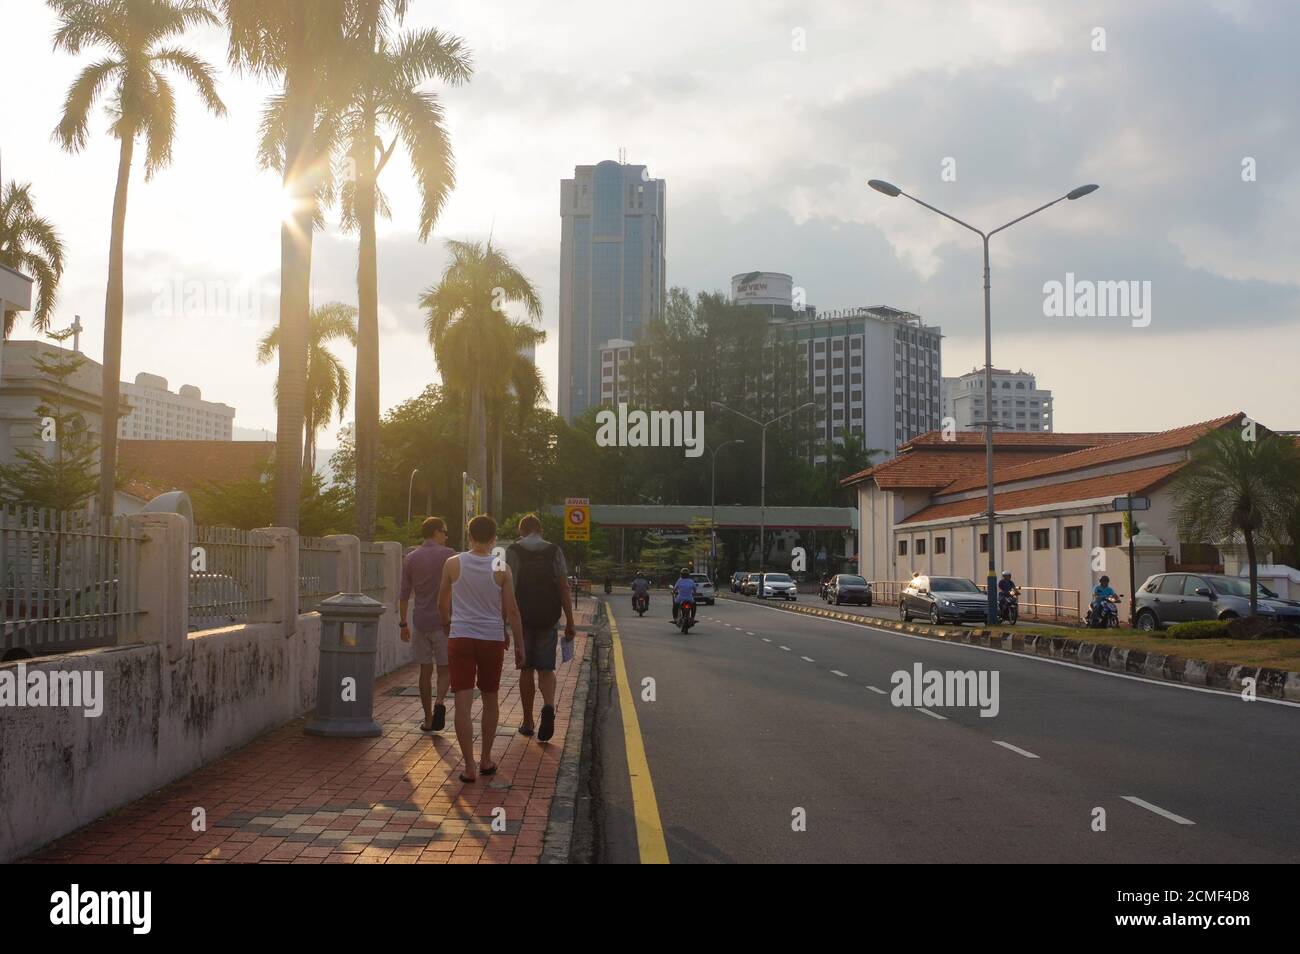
[471, 657]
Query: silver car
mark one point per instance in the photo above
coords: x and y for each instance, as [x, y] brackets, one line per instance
[1168, 598]
[704, 588]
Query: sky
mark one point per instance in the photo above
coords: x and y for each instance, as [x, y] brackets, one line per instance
[766, 119]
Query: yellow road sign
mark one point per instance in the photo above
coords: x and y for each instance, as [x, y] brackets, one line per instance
[577, 519]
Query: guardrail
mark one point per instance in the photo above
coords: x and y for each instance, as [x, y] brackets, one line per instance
[1046, 602]
[228, 574]
[67, 581]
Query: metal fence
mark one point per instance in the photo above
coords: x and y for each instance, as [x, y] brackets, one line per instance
[318, 570]
[228, 577]
[372, 571]
[1046, 602]
[67, 580]
[886, 592]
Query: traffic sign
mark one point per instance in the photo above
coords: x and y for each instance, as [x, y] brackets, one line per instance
[577, 519]
[1131, 503]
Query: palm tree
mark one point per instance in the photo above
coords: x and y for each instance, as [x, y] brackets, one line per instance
[327, 378]
[523, 380]
[29, 244]
[141, 103]
[1240, 480]
[471, 337]
[385, 102]
[301, 46]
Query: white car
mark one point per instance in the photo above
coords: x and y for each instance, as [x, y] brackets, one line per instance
[777, 585]
[703, 588]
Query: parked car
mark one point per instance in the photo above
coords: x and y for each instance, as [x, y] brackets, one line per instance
[847, 588]
[1168, 598]
[943, 599]
[737, 579]
[704, 589]
[777, 585]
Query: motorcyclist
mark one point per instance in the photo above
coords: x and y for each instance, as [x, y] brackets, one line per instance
[1006, 587]
[683, 591]
[640, 588]
[1102, 594]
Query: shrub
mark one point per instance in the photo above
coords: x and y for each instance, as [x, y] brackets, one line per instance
[1256, 627]
[1201, 629]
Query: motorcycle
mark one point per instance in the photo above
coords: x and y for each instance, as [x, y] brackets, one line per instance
[641, 603]
[1009, 607]
[1103, 615]
[685, 616]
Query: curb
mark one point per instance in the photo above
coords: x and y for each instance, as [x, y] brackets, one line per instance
[1270, 683]
[557, 843]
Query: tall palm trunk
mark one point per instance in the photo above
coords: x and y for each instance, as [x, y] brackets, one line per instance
[111, 386]
[1254, 572]
[498, 430]
[295, 283]
[366, 408]
[308, 443]
[477, 435]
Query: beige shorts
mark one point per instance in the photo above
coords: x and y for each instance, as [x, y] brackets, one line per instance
[429, 647]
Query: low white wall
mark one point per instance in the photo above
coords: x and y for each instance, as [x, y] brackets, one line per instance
[161, 720]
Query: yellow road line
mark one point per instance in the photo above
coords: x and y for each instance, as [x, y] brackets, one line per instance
[645, 807]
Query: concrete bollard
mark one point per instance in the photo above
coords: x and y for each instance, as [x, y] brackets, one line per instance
[345, 684]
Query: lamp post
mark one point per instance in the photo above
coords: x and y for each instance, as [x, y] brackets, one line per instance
[893, 191]
[410, 486]
[713, 508]
[762, 478]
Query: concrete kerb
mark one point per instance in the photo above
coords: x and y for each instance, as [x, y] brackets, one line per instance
[1269, 683]
[557, 843]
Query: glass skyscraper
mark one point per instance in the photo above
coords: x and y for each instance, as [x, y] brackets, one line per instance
[611, 270]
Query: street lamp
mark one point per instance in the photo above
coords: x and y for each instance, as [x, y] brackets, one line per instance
[713, 510]
[762, 479]
[410, 486]
[893, 191]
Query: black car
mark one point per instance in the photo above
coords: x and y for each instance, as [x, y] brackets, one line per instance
[847, 588]
[943, 599]
[737, 579]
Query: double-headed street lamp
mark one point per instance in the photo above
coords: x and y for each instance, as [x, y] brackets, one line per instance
[762, 479]
[894, 191]
[713, 508]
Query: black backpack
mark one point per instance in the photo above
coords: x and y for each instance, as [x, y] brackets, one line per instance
[536, 589]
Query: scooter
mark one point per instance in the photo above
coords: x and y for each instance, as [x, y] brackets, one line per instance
[1105, 616]
[686, 616]
[641, 603]
[1009, 607]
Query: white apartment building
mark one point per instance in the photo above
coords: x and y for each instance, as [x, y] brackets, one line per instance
[158, 414]
[1018, 403]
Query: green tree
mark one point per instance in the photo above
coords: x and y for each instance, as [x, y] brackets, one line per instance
[29, 244]
[386, 102]
[525, 389]
[327, 378]
[62, 478]
[471, 337]
[301, 46]
[1241, 481]
[141, 104]
[249, 503]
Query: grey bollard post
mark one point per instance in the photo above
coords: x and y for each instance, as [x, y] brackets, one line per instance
[345, 684]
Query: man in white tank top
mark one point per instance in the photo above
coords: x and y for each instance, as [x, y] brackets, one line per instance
[476, 600]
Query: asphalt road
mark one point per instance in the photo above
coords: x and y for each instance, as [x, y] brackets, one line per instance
[762, 716]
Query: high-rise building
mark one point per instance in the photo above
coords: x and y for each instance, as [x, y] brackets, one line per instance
[612, 270]
[162, 415]
[1018, 403]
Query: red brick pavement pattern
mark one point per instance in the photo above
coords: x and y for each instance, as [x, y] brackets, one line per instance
[288, 797]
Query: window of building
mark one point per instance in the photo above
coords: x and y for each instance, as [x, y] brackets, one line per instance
[1112, 534]
[1013, 541]
[1073, 538]
[902, 548]
[940, 546]
[920, 547]
[984, 543]
[1042, 539]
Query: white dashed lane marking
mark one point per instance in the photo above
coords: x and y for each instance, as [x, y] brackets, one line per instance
[842, 675]
[807, 659]
[1015, 748]
[932, 715]
[1143, 803]
[878, 691]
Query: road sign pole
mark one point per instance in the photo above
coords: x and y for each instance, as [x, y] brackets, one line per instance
[1132, 569]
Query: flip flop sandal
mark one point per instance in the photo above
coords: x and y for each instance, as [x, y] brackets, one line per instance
[525, 730]
[547, 728]
[467, 781]
[487, 771]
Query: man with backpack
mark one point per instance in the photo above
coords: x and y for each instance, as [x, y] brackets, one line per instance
[542, 592]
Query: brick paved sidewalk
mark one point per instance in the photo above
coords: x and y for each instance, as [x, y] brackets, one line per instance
[396, 799]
